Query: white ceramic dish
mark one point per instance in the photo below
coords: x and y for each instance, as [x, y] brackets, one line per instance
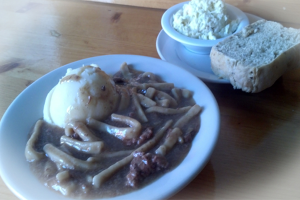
[174, 52]
[28, 107]
[198, 45]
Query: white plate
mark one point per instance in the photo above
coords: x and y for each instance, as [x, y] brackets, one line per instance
[27, 108]
[174, 52]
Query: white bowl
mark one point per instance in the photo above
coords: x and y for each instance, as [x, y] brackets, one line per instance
[25, 110]
[199, 45]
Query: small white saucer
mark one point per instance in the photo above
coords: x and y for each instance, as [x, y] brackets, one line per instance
[199, 65]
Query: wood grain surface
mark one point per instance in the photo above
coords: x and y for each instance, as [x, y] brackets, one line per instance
[285, 12]
[257, 154]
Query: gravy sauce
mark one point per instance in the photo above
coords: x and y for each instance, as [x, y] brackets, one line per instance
[79, 184]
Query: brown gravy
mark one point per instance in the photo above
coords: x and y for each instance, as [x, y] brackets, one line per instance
[115, 185]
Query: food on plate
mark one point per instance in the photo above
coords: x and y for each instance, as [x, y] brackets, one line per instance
[257, 56]
[84, 92]
[204, 19]
[147, 132]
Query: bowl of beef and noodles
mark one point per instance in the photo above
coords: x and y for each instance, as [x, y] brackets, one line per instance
[115, 126]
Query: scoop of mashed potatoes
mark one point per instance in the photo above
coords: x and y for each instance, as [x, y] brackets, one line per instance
[81, 93]
[204, 19]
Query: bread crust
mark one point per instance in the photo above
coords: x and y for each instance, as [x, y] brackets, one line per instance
[254, 79]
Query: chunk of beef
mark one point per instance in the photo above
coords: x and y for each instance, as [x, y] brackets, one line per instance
[143, 165]
[146, 77]
[129, 142]
[119, 78]
[188, 137]
[146, 135]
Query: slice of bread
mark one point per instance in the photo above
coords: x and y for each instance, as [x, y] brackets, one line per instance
[257, 56]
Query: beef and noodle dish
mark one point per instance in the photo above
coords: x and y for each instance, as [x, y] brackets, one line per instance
[104, 136]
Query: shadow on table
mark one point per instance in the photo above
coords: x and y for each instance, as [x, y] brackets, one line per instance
[258, 133]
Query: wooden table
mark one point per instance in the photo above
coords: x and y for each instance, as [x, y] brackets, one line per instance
[258, 153]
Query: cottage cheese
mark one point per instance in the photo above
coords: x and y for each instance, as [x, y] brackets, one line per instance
[204, 19]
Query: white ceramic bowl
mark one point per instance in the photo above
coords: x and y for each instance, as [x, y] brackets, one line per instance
[199, 45]
[25, 110]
